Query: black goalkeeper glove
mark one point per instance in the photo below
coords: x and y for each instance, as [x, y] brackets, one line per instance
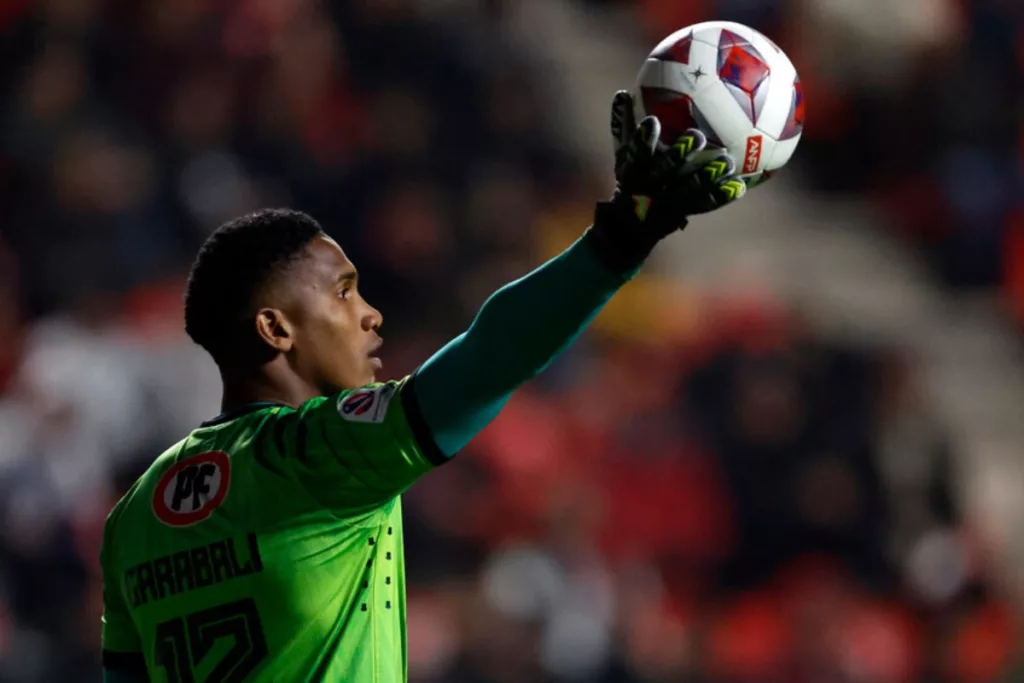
[657, 187]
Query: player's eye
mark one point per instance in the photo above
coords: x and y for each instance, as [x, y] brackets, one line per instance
[345, 292]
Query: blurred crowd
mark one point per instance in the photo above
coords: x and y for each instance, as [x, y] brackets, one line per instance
[703, 489]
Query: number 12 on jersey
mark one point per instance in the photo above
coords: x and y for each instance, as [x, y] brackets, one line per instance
[182, 643]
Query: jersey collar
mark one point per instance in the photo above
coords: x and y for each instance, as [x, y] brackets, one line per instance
[245, 409]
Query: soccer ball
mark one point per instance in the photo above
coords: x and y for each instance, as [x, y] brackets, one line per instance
[735, 85]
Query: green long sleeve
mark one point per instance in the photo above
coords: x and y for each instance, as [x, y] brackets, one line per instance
[518, 332]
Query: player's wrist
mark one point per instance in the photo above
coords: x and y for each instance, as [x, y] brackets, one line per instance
[618, 236]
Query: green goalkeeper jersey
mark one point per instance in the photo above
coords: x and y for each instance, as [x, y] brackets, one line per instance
[267, 546]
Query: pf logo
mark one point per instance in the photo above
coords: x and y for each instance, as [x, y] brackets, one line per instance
[192, 489]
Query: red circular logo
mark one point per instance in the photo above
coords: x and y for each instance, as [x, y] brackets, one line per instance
[192, 489]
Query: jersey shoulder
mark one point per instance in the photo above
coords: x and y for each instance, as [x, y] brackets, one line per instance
[346, 454]
[382, 416]
[359, 448]
[193, 478]
[125, 509]
[369, 404]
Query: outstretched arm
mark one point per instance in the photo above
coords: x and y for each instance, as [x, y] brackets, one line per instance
[523, 326]
[518, 332]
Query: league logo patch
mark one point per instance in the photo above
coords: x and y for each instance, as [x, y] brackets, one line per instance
[192, 489]
[752, 159]
[366, 405]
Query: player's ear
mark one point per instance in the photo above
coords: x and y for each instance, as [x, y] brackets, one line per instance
[274, 329]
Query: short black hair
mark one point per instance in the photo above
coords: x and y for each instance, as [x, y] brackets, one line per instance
[235, 262]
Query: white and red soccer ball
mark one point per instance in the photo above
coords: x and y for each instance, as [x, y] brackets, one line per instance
[735, 85]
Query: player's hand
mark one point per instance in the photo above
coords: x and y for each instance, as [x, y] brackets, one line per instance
[703, 185]
[667, 184]
[657, 187]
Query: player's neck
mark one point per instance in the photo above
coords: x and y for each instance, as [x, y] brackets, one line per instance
[282, 388]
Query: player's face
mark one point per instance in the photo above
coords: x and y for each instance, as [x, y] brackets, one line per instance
[335, 330]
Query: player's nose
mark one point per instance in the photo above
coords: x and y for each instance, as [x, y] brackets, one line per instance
[373, 318]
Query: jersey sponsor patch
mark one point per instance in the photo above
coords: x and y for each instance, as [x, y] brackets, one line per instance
[192, 489]
[366, 405]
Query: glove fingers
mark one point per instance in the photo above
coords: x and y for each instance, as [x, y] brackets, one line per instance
[729, 190]
[717, 184]
[690, 142]
[715, 170]
[647, 135]
[681, 166]
[640, 152]
[623, 119]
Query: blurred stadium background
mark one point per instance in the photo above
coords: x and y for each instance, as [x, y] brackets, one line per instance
[789, 453]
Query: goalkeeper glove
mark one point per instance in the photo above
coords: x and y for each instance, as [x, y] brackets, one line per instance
[657, 187]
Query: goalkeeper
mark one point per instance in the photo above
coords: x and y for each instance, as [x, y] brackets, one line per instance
[266, 547]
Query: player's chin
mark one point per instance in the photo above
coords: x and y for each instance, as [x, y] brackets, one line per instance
[367, 375]
[374, 366]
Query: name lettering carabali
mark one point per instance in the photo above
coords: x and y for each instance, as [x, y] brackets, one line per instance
[188, 570]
